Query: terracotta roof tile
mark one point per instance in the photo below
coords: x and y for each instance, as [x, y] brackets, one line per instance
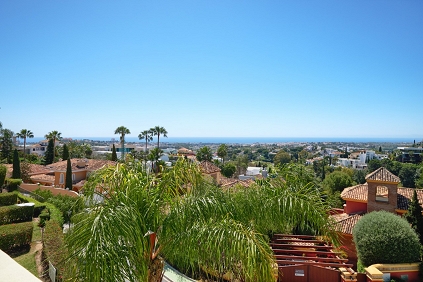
[357, 192]
[77, 164]
[346, 225]
[208, 167]
[42, 177]
[405, 195]
[382, 174]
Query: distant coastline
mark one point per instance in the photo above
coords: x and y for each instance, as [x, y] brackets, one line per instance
[249, 140]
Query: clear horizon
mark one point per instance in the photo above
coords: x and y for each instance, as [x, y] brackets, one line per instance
[220, 68]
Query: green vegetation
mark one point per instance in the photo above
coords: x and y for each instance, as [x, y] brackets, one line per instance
[65, 152]
[195, 222]
[383, 237]
[68, 181]
[24, 134]
[157, 131]
[49, 155]
[3, 171]
[414, 216]
[122, 130]
[13, 184]
[204, 154]
[16, 173]
[114, 155]
[15, 235]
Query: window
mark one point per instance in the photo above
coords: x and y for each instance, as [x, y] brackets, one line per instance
[382, 194]
[73, 176]
[61, 181]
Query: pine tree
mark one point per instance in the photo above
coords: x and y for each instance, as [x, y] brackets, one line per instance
[414, 216]
[68, 182]
[16, 174]
[49, 156]
[65, 154]
[114, 155]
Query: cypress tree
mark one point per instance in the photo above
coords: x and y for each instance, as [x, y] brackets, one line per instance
[68, 182]
[65, 154]
[114, 155]
[414, 216]
[49, 156]
[16, 174]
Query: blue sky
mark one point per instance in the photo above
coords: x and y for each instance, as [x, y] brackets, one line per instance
[213, 68]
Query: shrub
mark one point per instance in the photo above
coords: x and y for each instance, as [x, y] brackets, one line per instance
[38, 206]
[383, 237]
[7, 199]
[11, 214]
[13, 184]
[3, 171]
[54, 245]
[15, 235]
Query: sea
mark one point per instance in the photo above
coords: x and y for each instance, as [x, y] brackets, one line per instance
[247, 140]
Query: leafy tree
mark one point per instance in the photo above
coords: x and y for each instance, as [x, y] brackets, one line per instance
[337, 181]
[281, 157]
[65, 153]
[414, 216]
[157, 131]
[407, 175]
[6, 145]
[393, 241]
[122, 130]
[3, 171]
[193, 227]
[114, 155]
[222, 152]
[25, 133]
[68, 180]
[359, 176]
[49, 155]
[16, 174]
[374, 164]
[241, 163]
[419, 178]
[228, 170]
[204, 154]
[380, 149]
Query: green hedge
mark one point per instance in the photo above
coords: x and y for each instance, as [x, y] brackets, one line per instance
[15, 235]
[383, 237]
[7, 199]
[54, 246]
[12, 214]
[13, 184]
[38, 208]
[3, 172]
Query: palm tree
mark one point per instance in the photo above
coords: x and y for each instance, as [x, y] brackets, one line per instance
[122, 130]
[147, 135]
[54, 135]
[25, 133]
[157, 130]
[222, 152]
[199, 227]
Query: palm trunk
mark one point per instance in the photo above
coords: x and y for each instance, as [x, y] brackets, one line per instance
[24, 147]
[155, 271]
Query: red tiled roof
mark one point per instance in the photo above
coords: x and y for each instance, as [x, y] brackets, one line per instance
[77, 164]
[382, 174]
[357, 192]
[405, 195]
[208, 167]
[346, 225]
[42, 177]
[231, 182]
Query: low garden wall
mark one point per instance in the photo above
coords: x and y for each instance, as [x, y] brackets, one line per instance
[53, 190]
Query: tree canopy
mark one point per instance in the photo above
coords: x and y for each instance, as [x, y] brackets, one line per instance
[281, 157]
[204, 154]
[383, 237]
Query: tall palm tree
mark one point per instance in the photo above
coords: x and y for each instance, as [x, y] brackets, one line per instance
[199, 227]
[147, 135]
[25, 133]
[54, 135]
[157, 131]
[122, 130]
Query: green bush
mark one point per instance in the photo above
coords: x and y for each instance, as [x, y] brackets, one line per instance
[13, 184]
[54, 245]
[15, 235]
[12, 214]
[3, 171]
[38, 208]
[7, 199]
[383, 237]
[45, 215]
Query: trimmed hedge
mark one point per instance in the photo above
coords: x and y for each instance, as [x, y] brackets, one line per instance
[13, 214]
[13, 184]
[3, 172]
[15, 235]
[7, 199]
[383, 237]
[54, 248]
[38, 208]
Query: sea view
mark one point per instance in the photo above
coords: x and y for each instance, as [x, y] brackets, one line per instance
[247, 140]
